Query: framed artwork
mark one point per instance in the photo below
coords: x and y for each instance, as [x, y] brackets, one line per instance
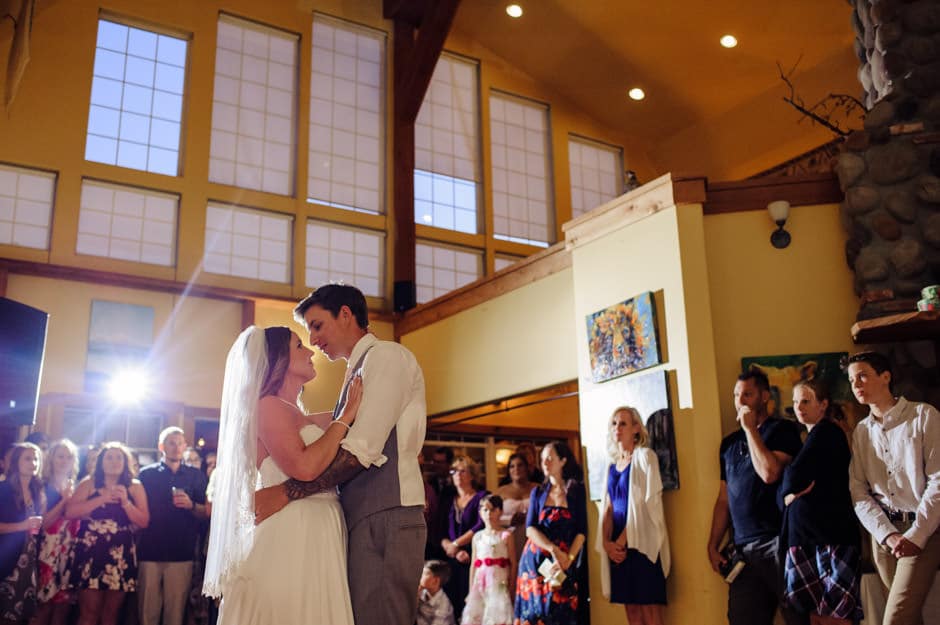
[119, 338]
[622, 338]
[783, 372]
[649, 394]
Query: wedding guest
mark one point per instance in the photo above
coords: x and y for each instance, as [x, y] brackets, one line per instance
[556, 530]
[463, 521]
[110, 503]
[752, 462]
[820, 534]
[22, 504]
[493, 565]
[633, 524]
[894, 478]
[434, 607]
[515, 496]
[59, 470]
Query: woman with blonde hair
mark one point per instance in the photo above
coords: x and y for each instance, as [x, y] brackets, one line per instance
[633, 528]
[59, 471]
[464, 521]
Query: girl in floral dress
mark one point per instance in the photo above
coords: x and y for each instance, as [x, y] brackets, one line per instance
[58, 535]
[492, 565]
[104, 561]
[556, 530]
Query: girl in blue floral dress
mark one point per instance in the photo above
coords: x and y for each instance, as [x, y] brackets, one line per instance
[556, 528]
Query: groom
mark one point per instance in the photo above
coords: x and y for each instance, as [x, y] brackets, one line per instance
[377, 469]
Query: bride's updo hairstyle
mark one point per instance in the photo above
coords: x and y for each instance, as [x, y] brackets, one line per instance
[277, 347]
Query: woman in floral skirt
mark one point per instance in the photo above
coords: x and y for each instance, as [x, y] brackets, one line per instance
[556, 530]
[58, 534]
[104, 561]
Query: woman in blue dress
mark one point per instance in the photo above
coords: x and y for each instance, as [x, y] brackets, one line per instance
[633, 526]
[556, 527]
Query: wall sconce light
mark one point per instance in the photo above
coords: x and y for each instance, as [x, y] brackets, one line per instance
[779, 211]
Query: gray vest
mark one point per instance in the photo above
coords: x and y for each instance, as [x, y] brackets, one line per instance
[376, 488]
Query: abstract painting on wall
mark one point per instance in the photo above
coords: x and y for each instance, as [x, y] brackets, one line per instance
[649, 394]
[622, 338]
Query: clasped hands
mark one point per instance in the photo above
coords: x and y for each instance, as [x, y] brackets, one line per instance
[616, 549]
[562, 559]
[901, 547]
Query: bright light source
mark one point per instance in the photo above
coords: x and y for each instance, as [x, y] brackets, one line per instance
[502, 455]
[426, 218]
[729, 41]
[201, 442]
[514, 10]
[128, 387]
[636, 93]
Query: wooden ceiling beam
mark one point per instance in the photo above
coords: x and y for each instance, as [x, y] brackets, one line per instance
[413, 63]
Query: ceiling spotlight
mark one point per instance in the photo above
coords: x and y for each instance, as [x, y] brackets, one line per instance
[514, 10]
[729, 41]
[636, 93]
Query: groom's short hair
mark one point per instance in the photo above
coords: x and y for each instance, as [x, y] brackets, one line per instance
[332, 297]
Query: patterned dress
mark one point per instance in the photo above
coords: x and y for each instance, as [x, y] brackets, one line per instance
[55, 548]
[18, 561]
[537, 601]
[105, 556]
[488, 602]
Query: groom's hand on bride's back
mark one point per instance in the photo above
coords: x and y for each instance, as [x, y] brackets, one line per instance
[269, 501]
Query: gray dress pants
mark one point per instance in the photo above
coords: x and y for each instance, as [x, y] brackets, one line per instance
[386, 556]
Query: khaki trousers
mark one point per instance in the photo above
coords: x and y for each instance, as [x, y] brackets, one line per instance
[908, 580]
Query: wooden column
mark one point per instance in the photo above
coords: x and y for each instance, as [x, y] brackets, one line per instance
[414, 58]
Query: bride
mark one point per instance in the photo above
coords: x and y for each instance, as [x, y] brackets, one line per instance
[292, 568]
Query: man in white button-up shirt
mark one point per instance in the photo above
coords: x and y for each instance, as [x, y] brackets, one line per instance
[895, 482]
[376, 468]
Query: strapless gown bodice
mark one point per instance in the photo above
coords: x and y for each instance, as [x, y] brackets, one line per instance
[269, 474]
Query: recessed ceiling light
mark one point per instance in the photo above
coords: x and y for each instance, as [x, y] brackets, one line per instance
[636, 93]
[514, 10]
[729, 41]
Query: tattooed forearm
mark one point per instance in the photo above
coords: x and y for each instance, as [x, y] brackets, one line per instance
[344, 467]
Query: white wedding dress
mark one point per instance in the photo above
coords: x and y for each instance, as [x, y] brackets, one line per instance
[296, 571]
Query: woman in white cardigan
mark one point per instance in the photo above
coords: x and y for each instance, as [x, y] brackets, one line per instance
[633, 527]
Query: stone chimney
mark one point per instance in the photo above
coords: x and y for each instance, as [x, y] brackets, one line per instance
[889, 171]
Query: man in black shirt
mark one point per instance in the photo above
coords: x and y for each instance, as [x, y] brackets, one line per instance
[752, 463]
[176, 495]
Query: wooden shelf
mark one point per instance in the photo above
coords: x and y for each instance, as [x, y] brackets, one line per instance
[912, 326]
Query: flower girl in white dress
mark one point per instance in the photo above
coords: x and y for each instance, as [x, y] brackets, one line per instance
[492, 569]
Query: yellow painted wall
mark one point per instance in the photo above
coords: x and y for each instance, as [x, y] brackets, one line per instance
[518, 342]
[766, 301]
[192, 336]
[663, 253]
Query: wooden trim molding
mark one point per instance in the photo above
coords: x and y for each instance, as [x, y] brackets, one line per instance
[659, 194]
[755, 194]
[526, 271]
